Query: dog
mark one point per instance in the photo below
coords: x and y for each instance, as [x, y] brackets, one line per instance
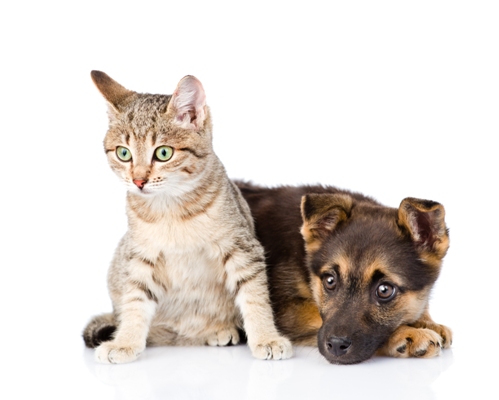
[348, 274]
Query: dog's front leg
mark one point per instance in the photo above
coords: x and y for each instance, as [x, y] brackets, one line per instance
[423, 338]
[426, 322]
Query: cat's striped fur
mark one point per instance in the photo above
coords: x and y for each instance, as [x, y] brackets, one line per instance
[189, 270]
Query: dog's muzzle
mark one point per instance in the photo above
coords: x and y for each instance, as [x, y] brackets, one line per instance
[338, 346]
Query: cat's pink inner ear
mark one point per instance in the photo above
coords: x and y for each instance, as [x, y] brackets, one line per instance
[188, 103]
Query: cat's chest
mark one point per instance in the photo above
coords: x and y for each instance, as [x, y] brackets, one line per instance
[177, 239]
[184, 255]
[194, 269]
[195, 298]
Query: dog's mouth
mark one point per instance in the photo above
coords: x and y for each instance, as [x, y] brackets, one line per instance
[352, 355]
[348, 349]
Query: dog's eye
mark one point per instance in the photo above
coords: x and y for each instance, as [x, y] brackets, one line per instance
[329, 282]
[385, 292]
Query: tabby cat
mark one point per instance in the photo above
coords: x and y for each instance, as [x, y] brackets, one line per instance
[189, 270]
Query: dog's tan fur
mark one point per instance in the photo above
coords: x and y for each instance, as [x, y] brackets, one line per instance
[367, 251]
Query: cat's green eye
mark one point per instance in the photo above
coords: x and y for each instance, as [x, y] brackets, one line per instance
[163, 153]
[123, 153]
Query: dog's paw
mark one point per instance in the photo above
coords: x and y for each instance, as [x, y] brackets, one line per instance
[444, 332]
[223, 337]
[276, 348]
[407, 341]
[115, 353]
[426, 322]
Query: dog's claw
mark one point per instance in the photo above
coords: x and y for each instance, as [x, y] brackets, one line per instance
[408, 341]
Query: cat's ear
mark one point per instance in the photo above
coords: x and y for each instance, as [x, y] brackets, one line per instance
[188, 103]
[113, 92]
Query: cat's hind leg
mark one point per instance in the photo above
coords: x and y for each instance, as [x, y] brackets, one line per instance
[161, 335]
[224, 337]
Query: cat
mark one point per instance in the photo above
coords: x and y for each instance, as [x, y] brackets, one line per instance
[189, 270]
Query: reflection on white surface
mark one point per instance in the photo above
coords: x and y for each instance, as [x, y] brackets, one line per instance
[231, 372]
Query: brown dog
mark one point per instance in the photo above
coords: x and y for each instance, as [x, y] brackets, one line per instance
[356, 281]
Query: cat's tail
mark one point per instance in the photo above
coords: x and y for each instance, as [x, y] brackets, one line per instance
[100, 329]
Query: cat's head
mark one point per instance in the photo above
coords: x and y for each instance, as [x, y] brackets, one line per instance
[157, 143]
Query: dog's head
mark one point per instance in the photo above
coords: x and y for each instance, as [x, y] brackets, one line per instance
[372, 268]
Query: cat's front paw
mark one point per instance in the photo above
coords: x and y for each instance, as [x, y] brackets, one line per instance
[116, 353]
[223, 337]
[275, 348]
[407, 341]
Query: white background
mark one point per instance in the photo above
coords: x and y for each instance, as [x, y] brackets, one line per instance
[389, 98]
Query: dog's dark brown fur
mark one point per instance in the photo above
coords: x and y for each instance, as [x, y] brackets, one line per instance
[349, 274]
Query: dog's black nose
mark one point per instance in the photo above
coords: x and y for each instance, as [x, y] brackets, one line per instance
[338, 345]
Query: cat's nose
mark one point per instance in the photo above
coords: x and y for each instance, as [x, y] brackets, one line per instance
[140, 182]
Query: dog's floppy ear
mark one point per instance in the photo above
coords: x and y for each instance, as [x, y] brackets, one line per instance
[425, 222]
[321, 214]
